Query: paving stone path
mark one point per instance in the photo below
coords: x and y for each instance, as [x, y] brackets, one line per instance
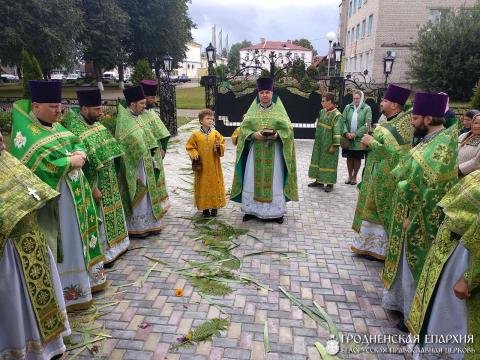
[346, 286]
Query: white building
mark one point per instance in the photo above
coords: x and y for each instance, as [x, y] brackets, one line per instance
[193, 61]
[280, 48]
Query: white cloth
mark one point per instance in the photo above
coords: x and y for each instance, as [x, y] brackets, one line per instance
[19, 334]
[372, 240]
[142, 221]
[262, 210]
[354, 121]
[400, 296]
[468, 155]
[111, 253]
[448, 314]
[77, 281]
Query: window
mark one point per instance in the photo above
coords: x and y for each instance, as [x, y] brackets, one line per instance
[360, 61]
[350, 10]
[436, 15]
[364, 25]
[303, 56]
[355, 4]
[358, 32]
[370, 24]
[359, 4]
[367, 56]
[348, 37]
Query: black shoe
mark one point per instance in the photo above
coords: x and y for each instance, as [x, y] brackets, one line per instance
[279, 220]
[315, 184]
[213, 212]
[329, 188]
[206, 213]
[247, 217]
[59, 356]
[402, 327]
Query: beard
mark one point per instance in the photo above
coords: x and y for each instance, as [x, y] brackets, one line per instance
[420, 131]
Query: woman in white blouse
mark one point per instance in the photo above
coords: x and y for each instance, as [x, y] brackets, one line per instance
[469, 149]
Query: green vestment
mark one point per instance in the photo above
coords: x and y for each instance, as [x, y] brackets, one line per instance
[102, 149]
[21, 195]
[139, 144]
[323, 164]
[392, 140]
[46, 152]
[264, 151]
[423, 178]
[461, 207]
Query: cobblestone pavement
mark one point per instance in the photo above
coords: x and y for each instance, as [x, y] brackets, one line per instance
[346, 286]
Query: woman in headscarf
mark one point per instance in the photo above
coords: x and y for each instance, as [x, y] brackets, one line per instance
[469, 148]
[467, 120]
[357, 117]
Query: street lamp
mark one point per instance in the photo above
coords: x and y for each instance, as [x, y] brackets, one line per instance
[167, 63]
[338, 51]
[168, 103]
[388, 61]
[331, 36]
[211, 57]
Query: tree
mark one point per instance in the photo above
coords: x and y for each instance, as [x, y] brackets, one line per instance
[233, 61]
[158, 27]
[297, 70]
[106, 27]
[475, 103]
[31, 71]
[446, 55]
[141, 71]
[221, 71]
[47, 29]
[306, 44]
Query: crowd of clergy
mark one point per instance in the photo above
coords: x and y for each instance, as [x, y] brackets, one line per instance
[74, 190]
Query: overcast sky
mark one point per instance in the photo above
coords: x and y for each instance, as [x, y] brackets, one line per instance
[270, 19]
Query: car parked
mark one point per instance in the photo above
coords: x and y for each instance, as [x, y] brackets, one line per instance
[57, 76]
[6, 78]
[183, 78]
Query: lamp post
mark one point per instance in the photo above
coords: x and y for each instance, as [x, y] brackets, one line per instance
[338, 51]
[167, 95]
[210, 81]
[388, 61]
[331, 36]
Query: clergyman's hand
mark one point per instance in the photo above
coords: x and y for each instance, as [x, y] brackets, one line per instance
[258, 136]
[461, 290]
[97, 194]
[77, 160]
[332, 149]
[366, 139]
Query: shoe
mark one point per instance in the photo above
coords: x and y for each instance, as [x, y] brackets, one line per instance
[247, 217]
[353, 183]
[206, 213]
[213, 212]
[279, 220]
[315, 184]
[329, 188]
[348, 182]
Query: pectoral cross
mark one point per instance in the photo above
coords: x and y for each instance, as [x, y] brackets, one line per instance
[32, 192]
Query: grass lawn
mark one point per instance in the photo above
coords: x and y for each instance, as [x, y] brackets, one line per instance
[190, 98]
[187, 98]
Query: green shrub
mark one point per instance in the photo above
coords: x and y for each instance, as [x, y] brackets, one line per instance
[142, 71]
[475, 104]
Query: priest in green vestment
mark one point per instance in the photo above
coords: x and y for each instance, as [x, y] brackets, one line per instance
[324, 161]
[102, 149]
[57, 156]
[447, 300]
[390, 141]
[265, 169]
[154, 124]
[144, 200]
[32, 309]
[423, 178]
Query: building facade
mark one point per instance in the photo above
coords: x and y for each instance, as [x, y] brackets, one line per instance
[192, 63]
[369, 28]
[281, 48]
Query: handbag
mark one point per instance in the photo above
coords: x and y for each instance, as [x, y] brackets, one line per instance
[196, 164]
